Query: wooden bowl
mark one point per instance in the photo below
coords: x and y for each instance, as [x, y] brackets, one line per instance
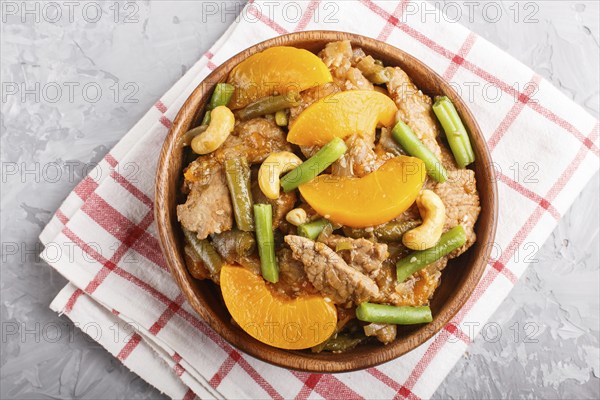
[459, 278]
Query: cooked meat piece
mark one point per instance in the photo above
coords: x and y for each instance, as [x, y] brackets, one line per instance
[359, 160]
[447, 158]
[254, 139]
[416, 291]
[341, 60]
[344, 316]
[363, 255]
[386, 282]
[357, 55]
[411, 214]
[281, 206]
[362, 158]
[293, 281]
[459, 194]
[311, 95]
[386, 146]
[385, 333]
[355, 80]
[414, 108]
[309, 151]
[338, 57]
[208, 206]
[330, 274]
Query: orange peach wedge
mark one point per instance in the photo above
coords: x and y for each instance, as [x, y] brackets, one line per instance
[341, 115]
[277, 69]
[371, 200]
[285, 323]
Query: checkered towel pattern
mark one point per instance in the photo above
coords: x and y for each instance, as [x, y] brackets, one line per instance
[104, 241]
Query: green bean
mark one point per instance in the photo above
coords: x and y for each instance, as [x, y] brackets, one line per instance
[339, 343]
[457, 136]
[205, 251]
[237, 173]
[413, 146]
[417, 260]
[384, 314]
[263, 219]
[281, 118]
[312, 167]
[313, 229]
[389, 232]
[246, 243]
[393, 230]
[187, 138]
[268, 105]
[194, 265]
[220, 97]
[234, 243]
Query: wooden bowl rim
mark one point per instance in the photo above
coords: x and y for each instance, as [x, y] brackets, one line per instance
[293, 359]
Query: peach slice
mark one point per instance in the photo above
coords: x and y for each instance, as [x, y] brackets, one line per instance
[279, 69]
[342, 114]
[371, 200]
[281, 322]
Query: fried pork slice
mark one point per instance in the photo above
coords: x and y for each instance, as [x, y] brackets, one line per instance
[330, 274]
[459, 195]
[339, 57]
[208, 206]
[361, 254]
[414, 108]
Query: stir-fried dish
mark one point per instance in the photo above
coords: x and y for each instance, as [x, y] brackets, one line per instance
[325, 193]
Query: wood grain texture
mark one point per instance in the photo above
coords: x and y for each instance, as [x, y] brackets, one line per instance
[458, 279]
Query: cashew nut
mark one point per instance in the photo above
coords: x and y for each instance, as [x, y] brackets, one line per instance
[296, 217]
[273, 166]
[433, 214]
[221, 125]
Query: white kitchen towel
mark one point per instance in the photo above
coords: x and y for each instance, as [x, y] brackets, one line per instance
[103, 238]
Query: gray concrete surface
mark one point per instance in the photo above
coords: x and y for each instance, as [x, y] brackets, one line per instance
[550, 325]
